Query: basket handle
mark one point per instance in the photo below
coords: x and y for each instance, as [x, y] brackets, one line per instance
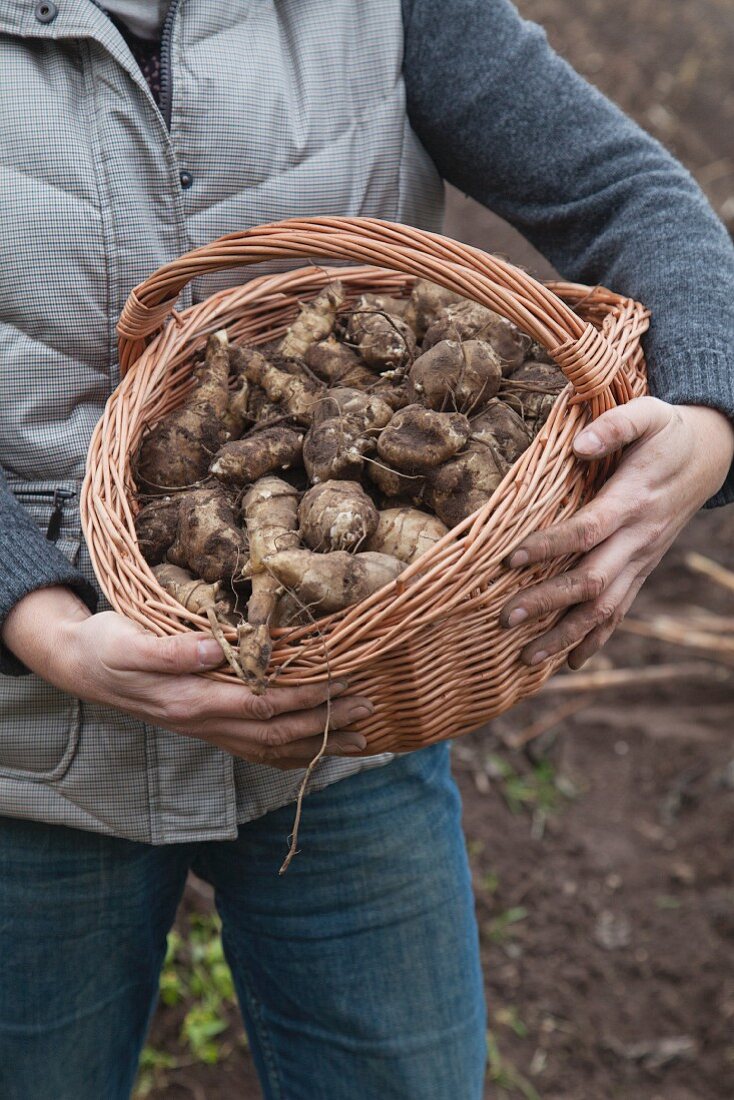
[587, 359]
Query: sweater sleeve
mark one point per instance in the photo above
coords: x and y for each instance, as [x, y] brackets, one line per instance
[28, 562]
[511, 124]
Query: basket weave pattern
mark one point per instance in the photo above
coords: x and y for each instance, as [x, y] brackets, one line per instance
[428, 648]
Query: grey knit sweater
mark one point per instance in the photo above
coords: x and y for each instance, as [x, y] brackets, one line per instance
[511, 124]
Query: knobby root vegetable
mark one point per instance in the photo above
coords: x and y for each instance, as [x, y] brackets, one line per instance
[337, 515]
[469, 320]
[464, 483]
[366, 409]
[209, 540]
[384, 341]
[178, 450]
[289, 612]
[201, 598]
[236, 416]
[396, 485]
[155, 526]
[454, 375]
[395, 307]
[406, 533]
[427, 300]
[270, 509]
[295, 395]
[193, 593]
[330, 582]
[395, 392]
[342, 404]
[260, 409]
[259, 453]
[536, 353]
[314, 323]
[417, 439]
[338, 364]
[498, 425]
[335, 449]
[532, 391]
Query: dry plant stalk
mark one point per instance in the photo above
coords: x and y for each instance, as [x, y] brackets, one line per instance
[621, 677]
[545, 723]
[699, 563]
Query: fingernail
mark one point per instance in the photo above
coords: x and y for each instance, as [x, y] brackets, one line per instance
[518, 558]
[210, 653]
[339, 687]
[519, 615]
[363, 710]
[352, 741]
[587, 441]
[536, 658]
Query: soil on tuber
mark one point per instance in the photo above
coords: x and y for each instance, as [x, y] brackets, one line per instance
[209, 540]
[532, 391]
[156, 525]
[500, 426]
[384, 341]
[463, 484]
[458, 376]
[177, 451]
[418, 439]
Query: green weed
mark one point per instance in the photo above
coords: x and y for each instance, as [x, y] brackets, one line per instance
[505, 1076]
[195, 976]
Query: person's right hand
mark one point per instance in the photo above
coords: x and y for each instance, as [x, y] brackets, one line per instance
[108, 659]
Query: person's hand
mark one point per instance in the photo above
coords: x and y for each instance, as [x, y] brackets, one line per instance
[107, 659]
[676, 457]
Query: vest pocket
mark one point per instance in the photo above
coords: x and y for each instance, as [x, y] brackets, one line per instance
[39, 728]
[39, 725]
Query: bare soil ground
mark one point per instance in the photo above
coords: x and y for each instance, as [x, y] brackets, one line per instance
[601, 852]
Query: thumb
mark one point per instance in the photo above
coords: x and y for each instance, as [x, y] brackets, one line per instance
[175, 655]
[643, 416]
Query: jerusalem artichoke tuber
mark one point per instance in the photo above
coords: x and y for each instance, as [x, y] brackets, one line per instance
[314, 323]
[209, 540]
[177, 451]
[330, 582]
[259, 453]
[417, 439]
[336, 515]
[405, 533]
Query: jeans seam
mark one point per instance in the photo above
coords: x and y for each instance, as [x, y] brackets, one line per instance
[263, 1035]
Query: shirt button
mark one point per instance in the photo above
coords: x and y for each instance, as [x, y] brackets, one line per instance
[186, 180]
[45, 12]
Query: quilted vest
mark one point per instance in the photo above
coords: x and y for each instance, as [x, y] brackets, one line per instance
[270, 110]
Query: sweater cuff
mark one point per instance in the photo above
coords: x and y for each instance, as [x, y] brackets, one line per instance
[705, 378]
[25, 571]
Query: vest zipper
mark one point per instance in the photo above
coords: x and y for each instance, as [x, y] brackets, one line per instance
[166, 49]
[58, 500]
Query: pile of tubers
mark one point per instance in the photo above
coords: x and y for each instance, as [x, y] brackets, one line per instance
[301, 476]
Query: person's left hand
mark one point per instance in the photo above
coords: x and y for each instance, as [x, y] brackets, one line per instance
[676, 457]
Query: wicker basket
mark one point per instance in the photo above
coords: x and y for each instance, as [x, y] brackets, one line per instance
[428, 648]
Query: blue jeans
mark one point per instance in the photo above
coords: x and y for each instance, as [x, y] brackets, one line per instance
[357, 972]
